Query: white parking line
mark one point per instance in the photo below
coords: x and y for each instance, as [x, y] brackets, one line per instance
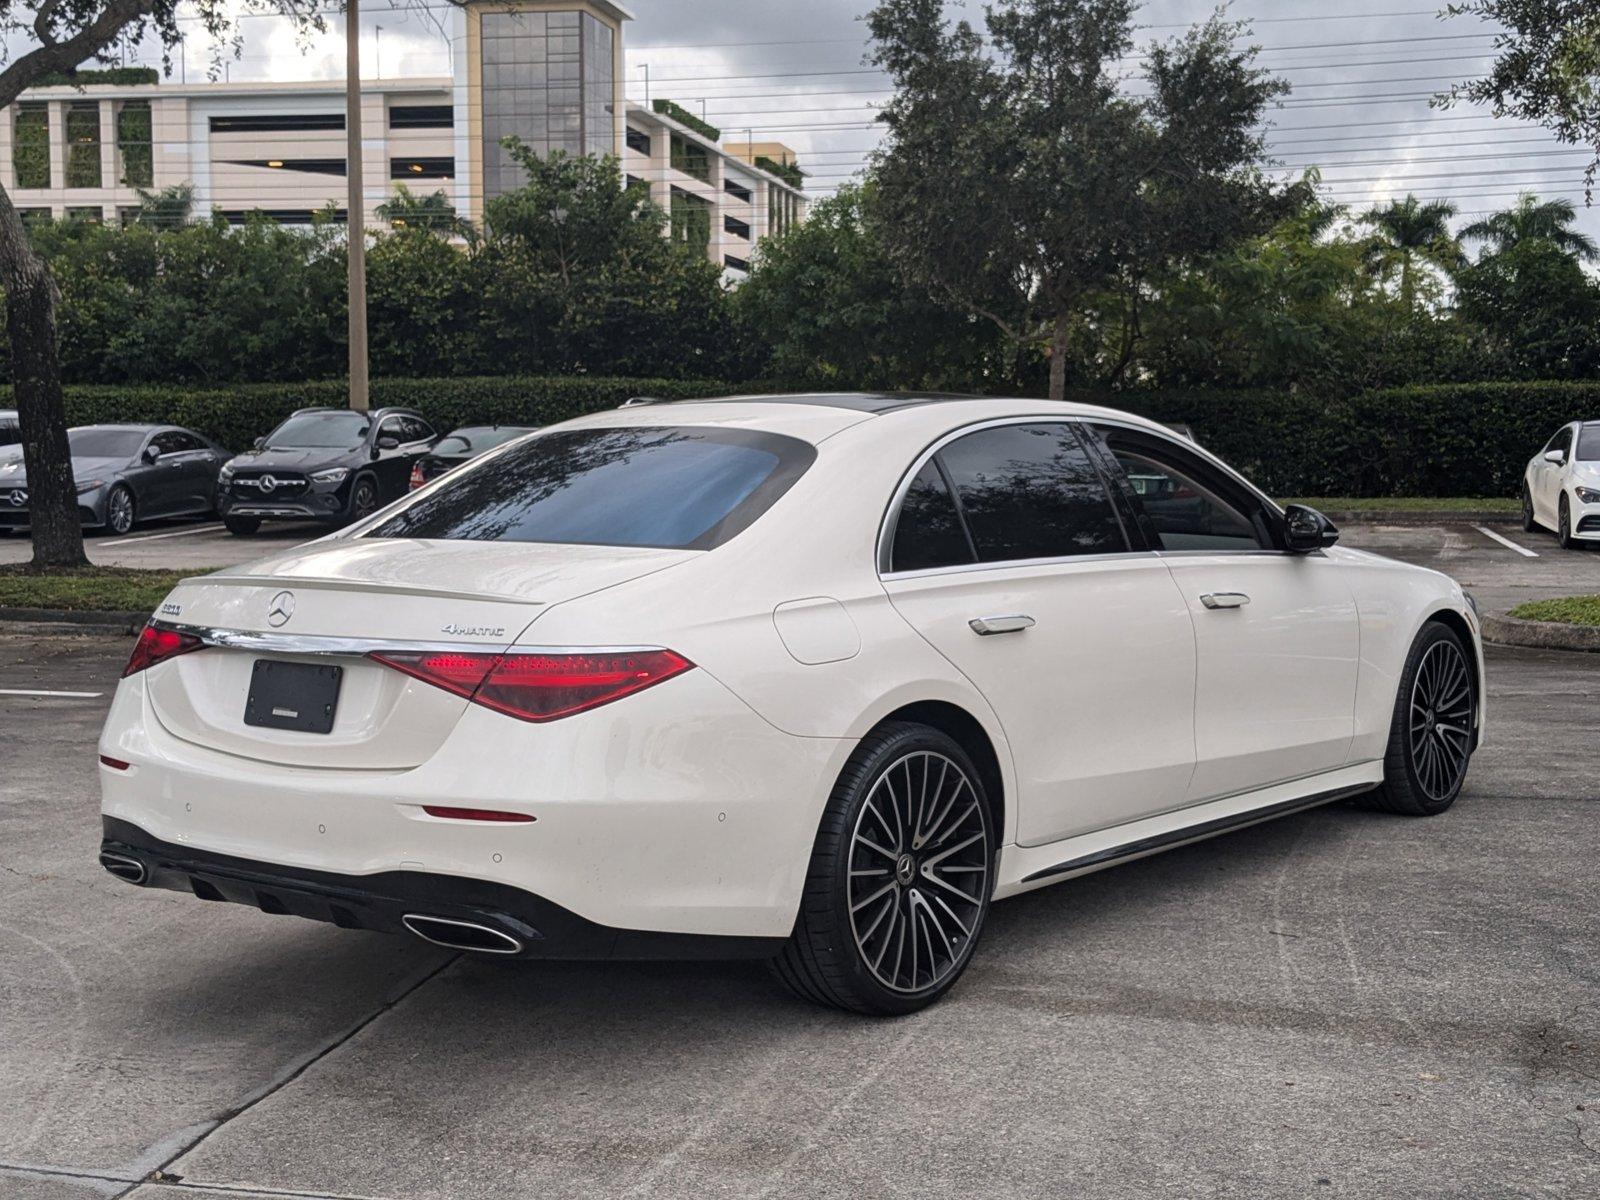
[1506, 542]
[156, 537]
[40, 692]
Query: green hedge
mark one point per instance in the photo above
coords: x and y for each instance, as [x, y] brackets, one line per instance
[1441, 440]
[237, 415]
[680, 114]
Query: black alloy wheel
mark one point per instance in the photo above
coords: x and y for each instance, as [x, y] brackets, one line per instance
[1432, 735]
[364, 500]
[1529, 524]
[119, 510]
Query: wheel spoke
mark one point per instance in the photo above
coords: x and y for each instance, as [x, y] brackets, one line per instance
[954, 826]
[860, 904]
[951, 913]
[863, 840]
[949, 887]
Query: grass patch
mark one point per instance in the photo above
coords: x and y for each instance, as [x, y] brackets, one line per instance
[1412, 504]
[89, 589]
[1568, 610]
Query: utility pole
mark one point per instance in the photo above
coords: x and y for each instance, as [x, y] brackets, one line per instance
[355, 208]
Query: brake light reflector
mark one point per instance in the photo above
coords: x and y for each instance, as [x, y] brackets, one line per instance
[539, 686]
[417, 477]
[156, 645]
[477, 814]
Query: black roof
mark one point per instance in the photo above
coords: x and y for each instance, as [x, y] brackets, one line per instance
[867, 402]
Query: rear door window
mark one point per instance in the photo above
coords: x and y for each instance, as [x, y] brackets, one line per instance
[929, 532]
[1031, 491]
[683, 487]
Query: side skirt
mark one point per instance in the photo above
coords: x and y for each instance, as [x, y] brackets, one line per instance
[1023, 868]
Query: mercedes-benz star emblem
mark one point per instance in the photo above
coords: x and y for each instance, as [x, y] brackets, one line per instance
[18, 498]
[267, 484]
[281, 609]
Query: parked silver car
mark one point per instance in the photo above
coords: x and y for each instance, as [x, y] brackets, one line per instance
[125, 473]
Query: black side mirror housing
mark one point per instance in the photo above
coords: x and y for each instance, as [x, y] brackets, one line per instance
[387, 441]
[1306, 530]
[259, 444]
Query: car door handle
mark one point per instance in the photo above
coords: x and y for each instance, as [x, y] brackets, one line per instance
[1224, 599]
[989, 626]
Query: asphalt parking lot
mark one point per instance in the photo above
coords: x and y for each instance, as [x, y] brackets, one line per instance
[1338, 1004]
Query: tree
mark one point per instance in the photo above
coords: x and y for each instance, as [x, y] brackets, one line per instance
[1531, 220]
[63, 34]
[432, 213]
[832, 311]
[1548, 69]
[1412, 239]
[1020, 181]
[1538, 307]
[168, 208]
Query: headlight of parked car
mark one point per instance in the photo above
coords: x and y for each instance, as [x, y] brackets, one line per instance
[331, 475]
[226, 473]
[90, 485]
[1588, 495]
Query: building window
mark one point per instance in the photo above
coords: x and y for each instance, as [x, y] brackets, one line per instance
[422, 116]
[91, 214]
[736, 189]
[738, 264]
[35, 216]
[736, 227]
[277, 122]
[128, 214]
[691, 219]
[548, 79]
[633, 181]
[691, 158]
[422, 168]
[782, 209]
[134, 150]
[83, 144]
[31, 144]
[306, 166]
[638, 140]
[283, 216]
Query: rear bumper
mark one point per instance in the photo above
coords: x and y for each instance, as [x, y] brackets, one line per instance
[541, 928]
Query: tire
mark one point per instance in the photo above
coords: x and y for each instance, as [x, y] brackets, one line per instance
[241, 526]
[1529, 524]
[1564, 525]
[120, 514]
[899, 814]
[1427, 758]
[364, 500]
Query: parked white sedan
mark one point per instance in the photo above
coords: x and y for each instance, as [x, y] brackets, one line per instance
[1561, 486]
[813, 678]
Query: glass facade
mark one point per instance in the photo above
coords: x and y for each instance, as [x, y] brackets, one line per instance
[548, 78]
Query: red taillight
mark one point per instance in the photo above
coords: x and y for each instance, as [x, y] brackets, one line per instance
[476, 814]
[116, 764]
[156, 646]
[540, 687]
[417, 477]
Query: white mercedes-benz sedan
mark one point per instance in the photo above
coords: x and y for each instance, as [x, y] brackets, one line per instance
[812, 678]
[1561, 486]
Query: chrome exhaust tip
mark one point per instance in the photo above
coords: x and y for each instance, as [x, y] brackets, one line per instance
[461, 935]
[123, 867]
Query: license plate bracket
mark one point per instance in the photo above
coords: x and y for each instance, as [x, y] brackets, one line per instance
[302, 697]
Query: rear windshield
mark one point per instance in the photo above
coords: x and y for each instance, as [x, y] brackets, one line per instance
[683, 488]
[320, 431]
[104, 443]
[1589, 442]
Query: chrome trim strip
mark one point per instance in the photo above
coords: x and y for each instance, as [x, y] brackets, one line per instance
[353, 647]
[1014, 564]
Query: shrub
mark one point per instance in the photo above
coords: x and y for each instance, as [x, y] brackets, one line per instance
[1439, 440]
[680, 114]
[237, 415]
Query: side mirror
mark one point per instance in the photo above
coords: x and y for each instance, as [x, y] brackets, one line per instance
[387, 441]
[1555, 456]
[151, 453]
[1305, 530]
[259, 444]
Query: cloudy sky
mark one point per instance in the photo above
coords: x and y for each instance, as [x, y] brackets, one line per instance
[1362, 72]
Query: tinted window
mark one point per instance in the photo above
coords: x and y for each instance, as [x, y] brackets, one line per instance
[1562, 439]
[1031, 491]
[675, 487]
[928, 532]
[454, 444]
[316, 431]
[1184, 513]
[1589, 442]
[104, 443]
[414, 429]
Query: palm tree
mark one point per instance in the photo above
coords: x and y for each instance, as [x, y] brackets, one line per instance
[1533, 220]
[434, 213]
[1411, 236]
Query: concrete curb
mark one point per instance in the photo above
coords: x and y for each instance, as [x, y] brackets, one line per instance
[61, 620]
[1413, 517]
[1506, 630]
